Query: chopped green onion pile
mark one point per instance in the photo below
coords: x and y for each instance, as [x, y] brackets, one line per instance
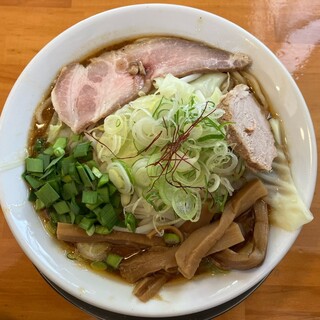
[68, 184]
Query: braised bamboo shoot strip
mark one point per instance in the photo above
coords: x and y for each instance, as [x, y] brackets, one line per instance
[148, 287]
[156, 259]
[72, 233]
[148, 262]
[233, 260]
[197, 245]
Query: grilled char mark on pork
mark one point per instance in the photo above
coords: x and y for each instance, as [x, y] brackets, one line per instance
[84, 95]
[249, 131]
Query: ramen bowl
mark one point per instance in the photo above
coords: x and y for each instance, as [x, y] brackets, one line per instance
[101, 30]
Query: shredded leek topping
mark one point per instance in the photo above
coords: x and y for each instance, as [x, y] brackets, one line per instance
[167, 152]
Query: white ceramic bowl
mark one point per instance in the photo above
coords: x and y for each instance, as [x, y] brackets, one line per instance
[83, 38]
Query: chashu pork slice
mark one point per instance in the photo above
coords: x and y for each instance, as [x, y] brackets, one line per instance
[249, 132]
[83, 95]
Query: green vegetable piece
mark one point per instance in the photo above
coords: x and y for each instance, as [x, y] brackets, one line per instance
[69, 190]
[61, 207]
[98, 265]
[48, 151]
[113, 260]
[94, 206]
[104, 179]
[171, 238]
[66, 178]
[115, 200]
[91, 230]
[45, 158]
[107, 216]
[75, 137]
[54, 218]
[55, 184]
[104, 194]
[34, 165]
[61, 142]
[47, 194]
[102, 230]
[81, 150]
[72, 171]
[47, 174]
[72, 255]
[86, 223]
[65, 218]
[74, 207]
[130, 222]
[91, 164]
[211, 137]
[59, 146]
[33, 182]
[32, 197]
[39, 205]
[96, 172]
[84, 176]
[59, 152]
[66, 162]
[89, 172]
[54, 162]
[72, 217]
[89, 197]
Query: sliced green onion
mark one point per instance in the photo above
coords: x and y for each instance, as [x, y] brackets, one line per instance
[104, 194]
[39, 205]
[130, 221]
[84, 176]
[120, 176]
[104, 179]
[47, 194]
[187, 204]
[116, 200]
[45, 158]
[72, 217]
[54, 162]
[89, 172]
[49, 151]
[66, 162]
[61, 142]
[65, 218]
[102, 230]
[86, 223]
[89, 197]
[98, 265]
[95, 205]
[107, 216]
[34, 165]
[34, 182]
[91, 230]
[112, 189]
[61, 207]
[81, 150]
[113, 260]
[59, 152]
[74, 207]
[72, 255]
[171, 238]
[96, 172]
